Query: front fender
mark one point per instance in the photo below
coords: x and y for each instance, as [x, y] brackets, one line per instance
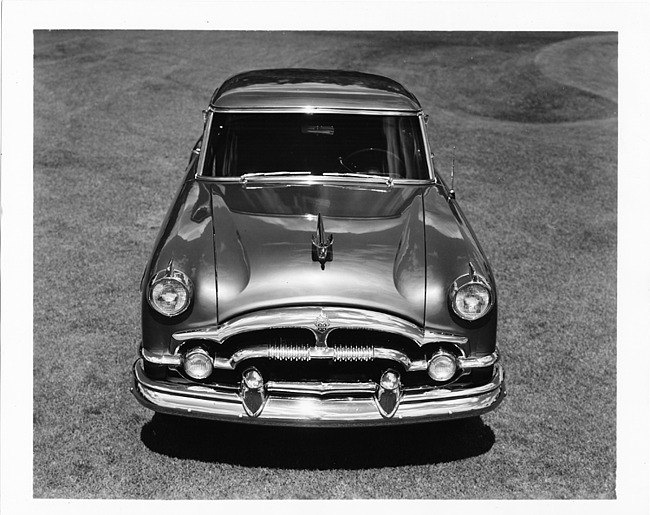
[185, 239]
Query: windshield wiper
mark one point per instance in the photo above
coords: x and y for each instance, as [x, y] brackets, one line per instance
[352, 175]
[277, 177]
[252, 175]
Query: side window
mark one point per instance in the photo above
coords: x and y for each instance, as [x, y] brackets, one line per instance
[215, 149]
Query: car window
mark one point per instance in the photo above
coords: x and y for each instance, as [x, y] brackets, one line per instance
[389, 146]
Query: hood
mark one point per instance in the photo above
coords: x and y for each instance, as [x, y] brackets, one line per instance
[263, 247]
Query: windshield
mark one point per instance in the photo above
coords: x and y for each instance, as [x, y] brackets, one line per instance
[317, 144]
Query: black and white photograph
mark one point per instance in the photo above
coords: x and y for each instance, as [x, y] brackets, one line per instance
[325, 251]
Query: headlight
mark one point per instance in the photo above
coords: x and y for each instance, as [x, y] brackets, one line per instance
[170, 292]
[471, 297]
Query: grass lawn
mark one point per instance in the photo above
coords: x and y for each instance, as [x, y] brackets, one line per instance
[535, 131]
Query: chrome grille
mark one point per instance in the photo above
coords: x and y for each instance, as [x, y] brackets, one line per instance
[348, 353]
[289, 352]
[304, 353]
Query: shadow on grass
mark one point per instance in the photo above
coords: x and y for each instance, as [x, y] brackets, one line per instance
[316, 448]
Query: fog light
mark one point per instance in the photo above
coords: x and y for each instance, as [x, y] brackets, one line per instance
[442, 366]
[197, 364]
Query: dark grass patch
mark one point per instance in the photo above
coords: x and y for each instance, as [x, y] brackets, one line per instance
[589, 63]
[535, 99]
[491, 74]
[511, 42]
[514, 89]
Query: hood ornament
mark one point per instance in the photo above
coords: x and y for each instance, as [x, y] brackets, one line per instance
[321, 247]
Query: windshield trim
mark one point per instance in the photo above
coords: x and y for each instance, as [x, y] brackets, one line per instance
[307, 180]
[308, 109]
[211, 111]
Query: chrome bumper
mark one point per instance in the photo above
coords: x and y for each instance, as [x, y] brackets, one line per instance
[317, 404]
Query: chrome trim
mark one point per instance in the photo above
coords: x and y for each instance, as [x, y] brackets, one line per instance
[424, 120]
[303, 318]
[320, 388]
[205, 140]
[380, 180]
[257, 351]
[307, 353]
[350, 353]
[403, 359]
[172, 360]
[322, 409]
[321, 252]
[326, 180]
[253, 398]
[387, 399]
[304, 353]
[288, 353]
[484, 361]
[420, 394]
[322, 322]
[307, 109]
[432, 336]
[252, 176]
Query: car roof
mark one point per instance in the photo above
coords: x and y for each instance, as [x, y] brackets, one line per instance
[301, 89]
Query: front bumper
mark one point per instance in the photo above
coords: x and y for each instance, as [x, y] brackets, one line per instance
[317, 404]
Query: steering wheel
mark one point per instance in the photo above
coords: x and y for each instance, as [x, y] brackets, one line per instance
[366, 160]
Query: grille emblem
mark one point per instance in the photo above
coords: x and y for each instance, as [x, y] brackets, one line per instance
[321, 247]
[322, 322]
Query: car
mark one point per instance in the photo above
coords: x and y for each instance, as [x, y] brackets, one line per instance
[314, 268]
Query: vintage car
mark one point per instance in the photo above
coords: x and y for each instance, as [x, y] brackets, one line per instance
[314, 269]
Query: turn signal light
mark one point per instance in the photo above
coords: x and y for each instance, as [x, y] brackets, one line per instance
[197, 364]
[442, 366]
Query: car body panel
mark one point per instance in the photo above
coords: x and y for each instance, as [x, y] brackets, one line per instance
[378, 257]
[262, 298]
[187, 241]
[312, 89]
